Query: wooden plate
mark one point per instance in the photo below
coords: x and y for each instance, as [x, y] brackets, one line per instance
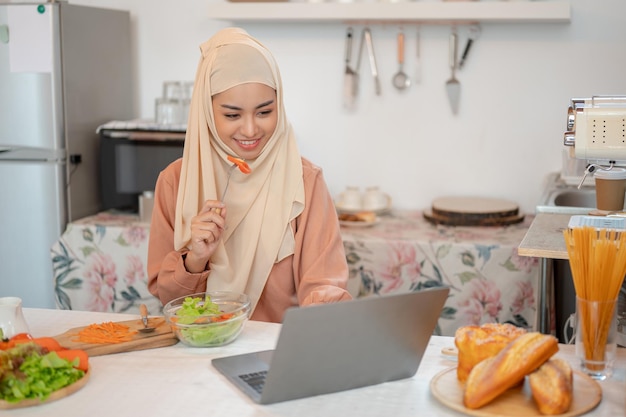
[56, 395]
[468, 221]
[342, 210]
[476, 207]
[473, 211]
[348, 223]
[515, 402]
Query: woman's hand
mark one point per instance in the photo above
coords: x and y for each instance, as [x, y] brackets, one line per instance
[206, 231]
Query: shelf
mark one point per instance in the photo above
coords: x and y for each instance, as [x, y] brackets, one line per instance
[414, 11]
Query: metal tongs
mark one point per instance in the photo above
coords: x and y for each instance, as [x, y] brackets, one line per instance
[366, 38]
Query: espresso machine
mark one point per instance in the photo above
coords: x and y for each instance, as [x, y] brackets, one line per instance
[596, 129]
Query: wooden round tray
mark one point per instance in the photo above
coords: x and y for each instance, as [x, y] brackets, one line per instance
[474, 207]
[515, 402]
[56, 395]
[451, 221]
[473, 211]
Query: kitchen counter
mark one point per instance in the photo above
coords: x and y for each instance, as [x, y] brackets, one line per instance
[179, 380]
[545, 241]
[544, 238]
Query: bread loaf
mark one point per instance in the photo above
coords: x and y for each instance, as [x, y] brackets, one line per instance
[493, 376]
[361, 216]
[551, 386]
[475, 343]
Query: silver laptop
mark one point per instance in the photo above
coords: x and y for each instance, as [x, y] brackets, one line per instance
[340, 346]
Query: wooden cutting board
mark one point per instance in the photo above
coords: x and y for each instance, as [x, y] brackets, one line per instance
[473, 211]
[161, 336]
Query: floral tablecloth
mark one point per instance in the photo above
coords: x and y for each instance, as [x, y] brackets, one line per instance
[488, 281]
[100, 265]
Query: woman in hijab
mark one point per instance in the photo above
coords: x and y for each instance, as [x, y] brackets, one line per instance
[272, 233]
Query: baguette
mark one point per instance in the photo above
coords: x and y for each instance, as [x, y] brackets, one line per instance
[476, 343]
[551, 386]
[493, 376]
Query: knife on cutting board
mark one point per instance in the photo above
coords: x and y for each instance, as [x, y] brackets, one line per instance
[160, 337]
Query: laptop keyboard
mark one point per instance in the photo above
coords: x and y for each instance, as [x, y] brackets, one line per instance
[256, 380]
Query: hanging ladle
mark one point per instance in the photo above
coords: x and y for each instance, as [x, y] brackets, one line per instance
[401, 80]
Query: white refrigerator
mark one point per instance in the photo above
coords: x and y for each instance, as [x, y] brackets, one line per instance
[64, 70]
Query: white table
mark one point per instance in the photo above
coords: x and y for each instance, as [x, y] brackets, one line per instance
[180, 381]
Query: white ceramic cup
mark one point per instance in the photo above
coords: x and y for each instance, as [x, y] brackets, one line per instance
[350, 199]
[374, 199]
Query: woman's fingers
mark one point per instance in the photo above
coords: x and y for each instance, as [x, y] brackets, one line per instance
[206, 230]
[212, 205]
[207, 226]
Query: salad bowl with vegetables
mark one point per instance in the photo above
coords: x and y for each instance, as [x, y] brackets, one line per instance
[208, 319]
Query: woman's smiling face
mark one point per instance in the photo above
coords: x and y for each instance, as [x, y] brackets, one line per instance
[245, 117]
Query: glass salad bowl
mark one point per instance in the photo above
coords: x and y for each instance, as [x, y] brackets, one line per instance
[209, 319]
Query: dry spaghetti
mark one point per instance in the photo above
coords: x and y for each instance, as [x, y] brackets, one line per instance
[598, 262]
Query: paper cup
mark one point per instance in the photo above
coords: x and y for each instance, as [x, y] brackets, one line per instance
[610, 189]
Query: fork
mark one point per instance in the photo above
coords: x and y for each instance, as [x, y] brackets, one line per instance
[230, 172]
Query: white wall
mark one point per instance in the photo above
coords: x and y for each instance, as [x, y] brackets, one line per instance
[515, 90]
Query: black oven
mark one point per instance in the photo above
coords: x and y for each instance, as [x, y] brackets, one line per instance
[131, 163]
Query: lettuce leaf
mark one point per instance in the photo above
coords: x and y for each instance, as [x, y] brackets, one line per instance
[193, 307]
[210, 334]
[34, 373]
[216, 334]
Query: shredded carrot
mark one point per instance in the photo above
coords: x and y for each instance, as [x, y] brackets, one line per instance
[104, 333]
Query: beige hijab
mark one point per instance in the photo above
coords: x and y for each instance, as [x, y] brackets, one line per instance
[262, 204]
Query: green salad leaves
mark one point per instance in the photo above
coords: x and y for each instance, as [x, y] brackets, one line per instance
[27, 371]
[211, 330]
[194, 307]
